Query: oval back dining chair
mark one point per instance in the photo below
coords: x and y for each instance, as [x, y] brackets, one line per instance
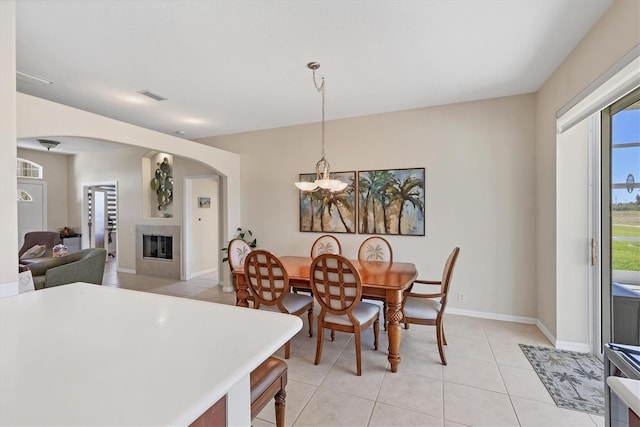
[375, 248]
[378, 249]
[268, 282]
[237, 251]
[427, 309]
[326, 244]
[337, 287]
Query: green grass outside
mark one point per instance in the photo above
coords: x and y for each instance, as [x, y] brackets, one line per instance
[626, 255]
[625, 231]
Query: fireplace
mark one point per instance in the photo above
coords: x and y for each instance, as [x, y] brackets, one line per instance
[157, 247]
[158, 250]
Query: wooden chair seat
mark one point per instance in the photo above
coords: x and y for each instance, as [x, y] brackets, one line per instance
[268, 381]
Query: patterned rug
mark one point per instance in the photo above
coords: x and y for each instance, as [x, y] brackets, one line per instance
[574, 380]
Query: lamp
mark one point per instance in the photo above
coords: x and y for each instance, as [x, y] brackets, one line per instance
[322, 167]
[48, 144]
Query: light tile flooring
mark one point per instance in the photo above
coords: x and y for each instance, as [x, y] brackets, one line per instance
[487, 382]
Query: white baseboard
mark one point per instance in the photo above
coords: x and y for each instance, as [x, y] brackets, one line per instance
[561, 345]
[582, 347]
[547, 333]
[493, 316]
[203, 272]
[126, 270]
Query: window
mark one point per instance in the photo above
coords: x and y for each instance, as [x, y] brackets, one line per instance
[28, 169]
[23, 196]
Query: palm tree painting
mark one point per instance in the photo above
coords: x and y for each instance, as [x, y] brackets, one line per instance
[326, 212]
[391, 202]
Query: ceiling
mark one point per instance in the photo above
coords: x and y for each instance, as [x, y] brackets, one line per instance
[236, 66]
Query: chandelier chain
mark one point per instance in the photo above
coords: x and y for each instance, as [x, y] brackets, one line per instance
[321, 88]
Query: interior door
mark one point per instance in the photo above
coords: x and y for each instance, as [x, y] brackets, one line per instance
[32, 215]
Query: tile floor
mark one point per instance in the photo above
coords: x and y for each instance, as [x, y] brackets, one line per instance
[487, 382]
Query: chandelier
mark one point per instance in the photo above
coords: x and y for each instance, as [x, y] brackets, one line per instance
[322, 167]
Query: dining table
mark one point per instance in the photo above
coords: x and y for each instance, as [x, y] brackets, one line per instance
[385, 281]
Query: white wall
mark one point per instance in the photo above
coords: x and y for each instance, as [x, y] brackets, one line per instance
[609, 40]
[572, 291]
[479, 160]
[8, 182]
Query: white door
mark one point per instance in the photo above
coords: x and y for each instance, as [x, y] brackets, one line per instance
[32, 210]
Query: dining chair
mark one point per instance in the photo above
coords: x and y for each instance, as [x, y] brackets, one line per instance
[337, 287]
[268, 281]
[378, 249]
[237, 251]
[268, 381]
[326, 244]
[428, 309]
[375, 248]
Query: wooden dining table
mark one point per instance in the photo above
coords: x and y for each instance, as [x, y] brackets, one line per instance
[381, 280]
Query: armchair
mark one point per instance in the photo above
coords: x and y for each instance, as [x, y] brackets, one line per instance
[86, 265]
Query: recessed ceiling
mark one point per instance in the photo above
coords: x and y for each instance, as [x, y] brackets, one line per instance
[228, 66]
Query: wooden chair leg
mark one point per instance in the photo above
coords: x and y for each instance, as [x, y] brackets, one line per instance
[444, 338]
[319, 344]
[376, 332]
[287, 349]
[358, 352]
[280, 407]
[440, 336]
[333, 335]
[384, 315]
[310, 316]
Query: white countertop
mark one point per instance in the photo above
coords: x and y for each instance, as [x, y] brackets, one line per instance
[628, 391]
[84, 354]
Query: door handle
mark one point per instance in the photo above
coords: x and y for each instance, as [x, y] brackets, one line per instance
[594, 252]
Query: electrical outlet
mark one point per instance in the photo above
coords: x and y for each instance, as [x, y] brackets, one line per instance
[461, 296]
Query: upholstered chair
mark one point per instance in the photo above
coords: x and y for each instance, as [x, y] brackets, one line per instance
[326, 244]
[428, 308]
[237, 251]
[377, 249]
[269, 284]
[337, 287]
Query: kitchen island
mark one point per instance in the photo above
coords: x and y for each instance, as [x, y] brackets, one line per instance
[84, 354]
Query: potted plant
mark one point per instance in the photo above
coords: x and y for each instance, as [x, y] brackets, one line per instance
[243, 234]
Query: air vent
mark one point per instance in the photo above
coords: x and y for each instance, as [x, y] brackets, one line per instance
[152, 95]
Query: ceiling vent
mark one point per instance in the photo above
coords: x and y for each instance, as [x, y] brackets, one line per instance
[152, 95]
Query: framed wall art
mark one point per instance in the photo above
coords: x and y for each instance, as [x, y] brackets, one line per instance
[204, 202]
[325, 212]
[391, 201]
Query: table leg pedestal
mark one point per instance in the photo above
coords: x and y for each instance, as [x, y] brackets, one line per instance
[242, 293]
[394, 331]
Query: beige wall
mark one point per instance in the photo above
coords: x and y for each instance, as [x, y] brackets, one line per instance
[480, 186]
[54, 173]
[8, 184]
[608, 41]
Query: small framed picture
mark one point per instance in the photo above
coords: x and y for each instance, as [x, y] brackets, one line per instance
[204, 202]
